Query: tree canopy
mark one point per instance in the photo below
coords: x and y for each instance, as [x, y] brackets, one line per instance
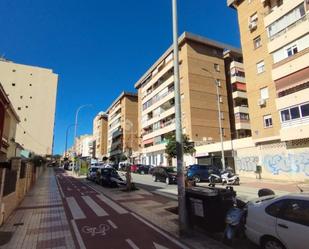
[170, 149]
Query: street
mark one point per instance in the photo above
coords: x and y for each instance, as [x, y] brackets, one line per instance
[245, 191]
[97, 220]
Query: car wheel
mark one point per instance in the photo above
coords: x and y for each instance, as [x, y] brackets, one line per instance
[167, 180]
[154, 178]
[236, 182]
[272, 243]
[212, 180]
[196, 178]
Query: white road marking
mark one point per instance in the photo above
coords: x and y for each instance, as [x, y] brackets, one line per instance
[78, 236]
[132, 244]
[112, 204]
[182, 246]
[76, 211]
[112, 224]
[94, 206]
[157, 246]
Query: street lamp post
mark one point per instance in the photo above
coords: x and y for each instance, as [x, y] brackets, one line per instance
[75, 127]
[66, 139]
[179, 143]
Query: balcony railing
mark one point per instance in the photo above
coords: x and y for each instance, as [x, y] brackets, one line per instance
[156, 99]
[295, 122]
[293, 25]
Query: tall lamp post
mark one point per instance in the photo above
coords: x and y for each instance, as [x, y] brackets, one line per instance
[179, 143]
[66, 139]
[75, 127]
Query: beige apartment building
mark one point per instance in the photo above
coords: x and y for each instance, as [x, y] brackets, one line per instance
[100, 124]
[202, 69]
[122, 134]
[275, 45]
[32, 91]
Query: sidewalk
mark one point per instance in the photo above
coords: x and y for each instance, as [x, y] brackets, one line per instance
[40, 221]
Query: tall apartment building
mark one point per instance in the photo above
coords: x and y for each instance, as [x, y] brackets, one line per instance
[83, 145]
[32, 91]
[237, 95]
[202, 67]
[100, 124]
[275, 45]
[122, 138]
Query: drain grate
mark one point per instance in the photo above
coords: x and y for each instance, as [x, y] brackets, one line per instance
[5, 237]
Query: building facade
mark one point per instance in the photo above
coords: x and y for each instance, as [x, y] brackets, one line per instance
[8, 123]
[202, 70]
[83, 145]
[122, 135]
[275, 45]
[100, 124]
[32, 91]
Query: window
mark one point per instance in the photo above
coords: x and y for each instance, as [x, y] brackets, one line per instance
[30, 84]
[260, 67]
[26, 106]
[223, 131]
[275, 208]
[218, 82]
[254, 17]
[291, 50]
[222, 115]
[296, 211]
[268, 121]
[30, 97]
[13, 70]
[295, 112]
[257, 42]
[304, 110]
[19, 108]
[217, 67]
[220, 99]
[13, 84]
[264, 93]
[285, 115]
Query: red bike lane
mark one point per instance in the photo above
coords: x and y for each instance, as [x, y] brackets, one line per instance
[100, 222]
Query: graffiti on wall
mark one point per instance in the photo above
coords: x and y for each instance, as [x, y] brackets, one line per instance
[290, 163]
[246, 163]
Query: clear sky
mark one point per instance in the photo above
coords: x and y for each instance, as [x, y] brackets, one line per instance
[101, 47]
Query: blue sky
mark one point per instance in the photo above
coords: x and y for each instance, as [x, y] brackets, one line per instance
[100, 47]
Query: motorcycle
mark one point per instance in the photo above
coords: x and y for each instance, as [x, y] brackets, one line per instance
[225, 177]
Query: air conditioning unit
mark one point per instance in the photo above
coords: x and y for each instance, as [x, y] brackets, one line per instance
[252, 25]
[262, 102]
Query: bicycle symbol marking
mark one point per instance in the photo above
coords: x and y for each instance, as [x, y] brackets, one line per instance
[93, 231]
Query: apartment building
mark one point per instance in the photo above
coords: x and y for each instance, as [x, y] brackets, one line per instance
[275, 45]
[8, 123]
[83, 145]
[122, 135]
[100, 124]
[237, 95]
[32, 91]
[202, 70]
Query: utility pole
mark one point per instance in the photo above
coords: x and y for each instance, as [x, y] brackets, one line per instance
[220, 126]
[182, 212]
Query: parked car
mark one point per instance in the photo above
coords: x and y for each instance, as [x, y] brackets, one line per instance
[164, 174]
[198, 172]
[109, 177]
[151, 169]
[279, 222]
[143, 169]
[68, 166]
[92, 173]
[134, 167]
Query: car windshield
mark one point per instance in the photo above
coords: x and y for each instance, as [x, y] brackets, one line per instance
[171, 169]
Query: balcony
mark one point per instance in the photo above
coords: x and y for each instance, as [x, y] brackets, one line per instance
[295, 129]
[235, 79]
[289, 34]
[242, 125]
[157, 118]
[239, 94]
[241, 109]
[292, 99]
[166, 97]
[168, 127]
[237, 65]
[157, 147]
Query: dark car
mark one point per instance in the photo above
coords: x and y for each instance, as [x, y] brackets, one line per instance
[109, 177]
[198, 172]
[143, 169]
[164, 174]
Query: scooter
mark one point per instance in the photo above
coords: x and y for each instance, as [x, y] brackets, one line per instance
[225, 177]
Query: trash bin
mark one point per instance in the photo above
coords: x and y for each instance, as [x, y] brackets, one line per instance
[207, 207]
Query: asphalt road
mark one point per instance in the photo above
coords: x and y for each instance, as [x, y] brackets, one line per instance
[244, 192]
[98, 221]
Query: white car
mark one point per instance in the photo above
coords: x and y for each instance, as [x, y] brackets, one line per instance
[275, 222]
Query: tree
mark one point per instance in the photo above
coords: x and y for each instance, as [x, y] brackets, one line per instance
[170, 149]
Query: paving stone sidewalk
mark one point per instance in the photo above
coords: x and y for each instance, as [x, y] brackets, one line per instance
[40, 221]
